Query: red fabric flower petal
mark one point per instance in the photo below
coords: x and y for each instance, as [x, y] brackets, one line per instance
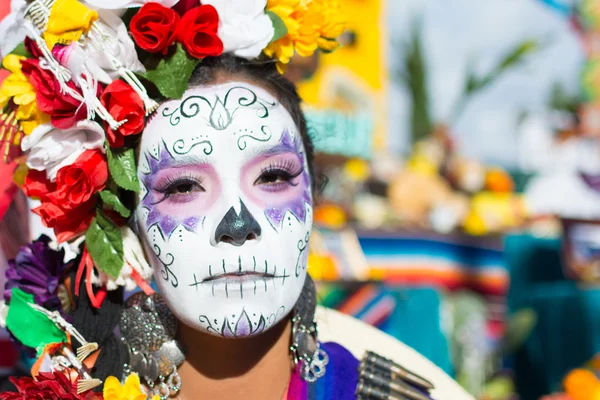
[37, 185]
[77, 182]
[68, 204]
[63, 109]
[123, 103]
[47, 386]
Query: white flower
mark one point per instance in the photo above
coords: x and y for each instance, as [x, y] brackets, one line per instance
[96, 56]
[50, 148]
[117, 4]
[134, 259]
[120, 46]
[244, 27]
[12, 27]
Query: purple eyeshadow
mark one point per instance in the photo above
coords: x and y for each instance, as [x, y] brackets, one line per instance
[167, 223]
[296, 206]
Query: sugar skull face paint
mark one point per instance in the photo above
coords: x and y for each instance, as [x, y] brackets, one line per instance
[225, 208]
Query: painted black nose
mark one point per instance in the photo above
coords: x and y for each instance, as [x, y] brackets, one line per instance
[237, 228]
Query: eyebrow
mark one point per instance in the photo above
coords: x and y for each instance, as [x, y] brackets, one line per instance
[272, 151]
[185, 161]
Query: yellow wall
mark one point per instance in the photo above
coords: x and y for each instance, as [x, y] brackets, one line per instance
[364, 63]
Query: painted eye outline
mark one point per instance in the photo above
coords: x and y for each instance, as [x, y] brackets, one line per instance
[167, 189]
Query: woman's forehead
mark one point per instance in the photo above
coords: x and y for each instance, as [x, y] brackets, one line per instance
[236, 121]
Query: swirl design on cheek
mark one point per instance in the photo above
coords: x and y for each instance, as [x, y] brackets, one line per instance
[242, 140]
[166, 273]
[302, 244]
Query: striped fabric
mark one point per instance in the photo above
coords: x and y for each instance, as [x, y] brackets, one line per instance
[451, 262]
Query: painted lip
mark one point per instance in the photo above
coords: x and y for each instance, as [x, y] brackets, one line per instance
[238, 277]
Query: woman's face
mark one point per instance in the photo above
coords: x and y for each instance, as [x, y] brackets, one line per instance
[225, 208]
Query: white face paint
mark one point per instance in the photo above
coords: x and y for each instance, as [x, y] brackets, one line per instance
[225, 208]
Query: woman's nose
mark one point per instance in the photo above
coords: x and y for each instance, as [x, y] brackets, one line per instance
[236, 228]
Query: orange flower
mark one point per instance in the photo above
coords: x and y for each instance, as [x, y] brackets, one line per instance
[582, 384]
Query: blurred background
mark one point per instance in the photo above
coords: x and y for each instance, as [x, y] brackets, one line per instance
[461, 212]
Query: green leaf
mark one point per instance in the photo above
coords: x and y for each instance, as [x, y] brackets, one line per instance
[104, 242]
[279, 26]
[172, 74]
[113, 202]
[121, 164]
[20, 50]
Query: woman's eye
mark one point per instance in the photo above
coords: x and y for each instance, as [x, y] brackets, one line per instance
[274, 177]
[184, 188]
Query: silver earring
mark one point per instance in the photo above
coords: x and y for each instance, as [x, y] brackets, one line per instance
[309, 358]
[148, 331]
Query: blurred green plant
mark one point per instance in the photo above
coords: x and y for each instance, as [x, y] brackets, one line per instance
[413, 75]
[475, 84]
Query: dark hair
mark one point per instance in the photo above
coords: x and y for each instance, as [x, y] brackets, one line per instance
[265, 75]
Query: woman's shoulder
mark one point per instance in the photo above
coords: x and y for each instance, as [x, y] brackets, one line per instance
[382, 357]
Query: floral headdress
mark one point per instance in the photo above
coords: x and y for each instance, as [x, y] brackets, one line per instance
[78, 95]
[84, 77]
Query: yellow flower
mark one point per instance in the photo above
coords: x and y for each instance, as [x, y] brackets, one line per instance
[131, 390]
[332, 24]
[16, 88]
[311, 24]
[68, 20]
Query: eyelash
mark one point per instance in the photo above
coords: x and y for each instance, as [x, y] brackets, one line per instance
[283, 169]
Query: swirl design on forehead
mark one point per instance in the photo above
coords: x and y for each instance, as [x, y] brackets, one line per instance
[266, 136]
[222, 111]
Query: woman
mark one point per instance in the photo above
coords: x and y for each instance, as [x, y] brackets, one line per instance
[200, 173]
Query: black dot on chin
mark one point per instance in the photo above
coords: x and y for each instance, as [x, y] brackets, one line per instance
[215, 321]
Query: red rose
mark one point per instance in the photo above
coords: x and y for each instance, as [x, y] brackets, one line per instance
[153, 27]
[68, 204]
[123, 103]
[47, 386]
[67, 224]
[198, 32]
[76, 183]
[63, 109]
